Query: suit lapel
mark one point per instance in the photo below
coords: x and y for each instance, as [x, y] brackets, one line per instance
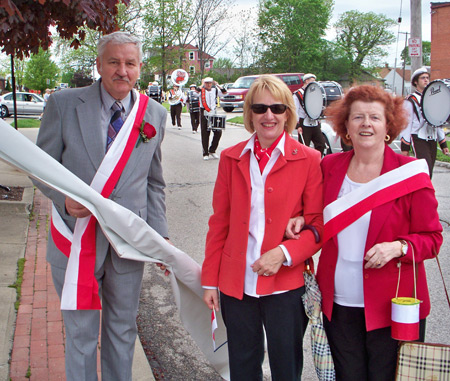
[89, 119]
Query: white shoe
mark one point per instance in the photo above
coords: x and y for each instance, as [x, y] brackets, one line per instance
[205, 158]
[193, 132]
[214, 155]
[179, 128]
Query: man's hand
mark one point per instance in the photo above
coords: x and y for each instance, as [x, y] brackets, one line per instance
[445, 151]
[211, 299]
[405, 153]
[75, 209]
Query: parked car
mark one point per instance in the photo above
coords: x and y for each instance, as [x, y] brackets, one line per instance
[333, 90]
[26, 103]
[236, 95]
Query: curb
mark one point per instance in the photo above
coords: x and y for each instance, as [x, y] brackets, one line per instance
[19, 207]
[443, 164]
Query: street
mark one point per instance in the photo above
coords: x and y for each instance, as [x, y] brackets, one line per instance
[190, 181]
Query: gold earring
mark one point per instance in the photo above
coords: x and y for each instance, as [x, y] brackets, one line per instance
[387, 138]
[347, 136]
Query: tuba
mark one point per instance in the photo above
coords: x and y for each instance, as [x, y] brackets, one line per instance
[178, 77]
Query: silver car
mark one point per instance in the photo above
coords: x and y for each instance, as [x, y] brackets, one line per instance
[27, 104]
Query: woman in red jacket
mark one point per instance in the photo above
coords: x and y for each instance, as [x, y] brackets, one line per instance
[261, 184]
[380, 215]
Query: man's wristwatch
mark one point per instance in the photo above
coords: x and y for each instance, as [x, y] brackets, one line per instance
[404, 247]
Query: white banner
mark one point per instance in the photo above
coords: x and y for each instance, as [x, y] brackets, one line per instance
[131, 237]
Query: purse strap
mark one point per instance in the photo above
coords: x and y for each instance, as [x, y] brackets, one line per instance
[414, 273]
[442, 277]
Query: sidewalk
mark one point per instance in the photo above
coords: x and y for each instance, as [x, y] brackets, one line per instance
[32, 341]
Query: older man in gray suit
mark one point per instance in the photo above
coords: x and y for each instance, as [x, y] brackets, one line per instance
[76, 131]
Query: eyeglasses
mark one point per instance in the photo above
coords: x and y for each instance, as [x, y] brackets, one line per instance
[260, 108]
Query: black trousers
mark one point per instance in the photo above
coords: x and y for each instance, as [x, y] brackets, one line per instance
[284, 321]
[359, 355]
[195, 120]
[315, 135]
[425, 149]
[175, 113]
[205, 136]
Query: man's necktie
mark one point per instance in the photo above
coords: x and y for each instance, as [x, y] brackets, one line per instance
[115, 124]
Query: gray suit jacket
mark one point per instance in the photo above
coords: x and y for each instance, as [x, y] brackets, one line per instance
[70, 132]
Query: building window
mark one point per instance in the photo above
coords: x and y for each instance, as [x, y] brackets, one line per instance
[207, 65]
[192, 56]
[191, 70]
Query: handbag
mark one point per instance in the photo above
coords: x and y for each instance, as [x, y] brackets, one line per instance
[424, 361]
[312, 302]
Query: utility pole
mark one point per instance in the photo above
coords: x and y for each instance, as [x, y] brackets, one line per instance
[416, 31]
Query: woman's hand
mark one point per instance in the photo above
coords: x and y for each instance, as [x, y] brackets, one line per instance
[382, 253]
[293, 227]
[211, 299]
[269, 263]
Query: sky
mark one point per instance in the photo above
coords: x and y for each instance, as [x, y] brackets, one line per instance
[390, 8]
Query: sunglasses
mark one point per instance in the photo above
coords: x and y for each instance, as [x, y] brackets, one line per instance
[260, 108]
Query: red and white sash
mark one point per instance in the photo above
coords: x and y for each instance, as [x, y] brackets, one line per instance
[394, 184]
[204, 103]
[80, 291]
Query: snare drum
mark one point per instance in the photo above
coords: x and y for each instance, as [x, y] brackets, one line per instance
[315, 100]
[435, 103]
[194, 101]
[216, 122]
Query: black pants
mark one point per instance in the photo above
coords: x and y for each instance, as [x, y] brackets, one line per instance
[195, 120]
[175, 112]
[315, 135]
[425, 149]
[284, 321]
[359, 355]
[205, 136]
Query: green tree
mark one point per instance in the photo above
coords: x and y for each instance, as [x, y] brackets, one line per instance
[291, 32]
[426, 54]
[363, 36]
[39, 69]
[164, 23]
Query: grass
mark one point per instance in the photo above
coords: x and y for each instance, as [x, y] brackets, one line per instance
[27, 123]
[167, 106]
[441, 157]
[236, 119]
[18, 283]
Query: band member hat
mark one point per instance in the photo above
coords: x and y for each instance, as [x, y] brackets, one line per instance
[308, 76]
[418, 72]
[208, 79]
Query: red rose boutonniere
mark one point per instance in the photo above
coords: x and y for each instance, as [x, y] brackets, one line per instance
[147, 131]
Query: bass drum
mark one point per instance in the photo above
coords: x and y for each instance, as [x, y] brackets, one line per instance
[315, 100]
[435, 103]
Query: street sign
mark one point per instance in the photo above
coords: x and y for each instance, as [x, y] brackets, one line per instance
[415, 47]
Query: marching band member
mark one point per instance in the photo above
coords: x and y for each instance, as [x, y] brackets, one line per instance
[193, 103]
[176, 100]
[209, 94]
[418, 132]
[308, 129]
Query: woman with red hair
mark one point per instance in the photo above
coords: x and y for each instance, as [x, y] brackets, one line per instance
[380, 215]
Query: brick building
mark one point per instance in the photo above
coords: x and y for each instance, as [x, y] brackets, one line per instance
[440, 37]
